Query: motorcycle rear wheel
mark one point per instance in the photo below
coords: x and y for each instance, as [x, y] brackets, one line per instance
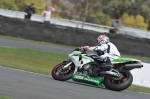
[119, 85]
[58, 73]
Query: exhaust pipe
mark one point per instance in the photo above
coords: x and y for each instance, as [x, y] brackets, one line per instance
[112, 72]
[132, 66]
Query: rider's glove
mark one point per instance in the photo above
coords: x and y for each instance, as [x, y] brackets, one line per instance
[85, 48]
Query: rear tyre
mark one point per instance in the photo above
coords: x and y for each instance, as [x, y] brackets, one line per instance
[58, 73]
[119, 85]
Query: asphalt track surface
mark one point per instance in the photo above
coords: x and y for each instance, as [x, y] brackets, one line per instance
[40, 47]
[20, 84]
[21, 44]
[25, 85]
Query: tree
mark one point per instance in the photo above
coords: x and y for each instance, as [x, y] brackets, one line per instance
[21, 4]
[7, 4]
[139, 21]
[136, 22]
[94, 15]
[128, 20]
[38, 4]
[116, 8]
[99, 11]
[60, 9]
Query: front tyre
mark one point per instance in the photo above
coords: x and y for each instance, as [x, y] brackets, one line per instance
[119, 85]
[58, 73]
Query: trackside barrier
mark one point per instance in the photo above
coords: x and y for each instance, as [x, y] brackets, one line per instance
[141, 76]
[78, 24]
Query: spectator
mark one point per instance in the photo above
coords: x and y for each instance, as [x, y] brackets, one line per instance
[29, 11]
[115, 24]
[47, 14]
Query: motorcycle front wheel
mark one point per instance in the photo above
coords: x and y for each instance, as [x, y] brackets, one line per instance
[62, 74]
[119, 85]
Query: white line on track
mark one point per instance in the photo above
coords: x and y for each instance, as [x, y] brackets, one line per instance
[144, 93]
[24, 71]
[6, 46]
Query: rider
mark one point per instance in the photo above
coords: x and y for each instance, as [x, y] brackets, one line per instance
[106, 50]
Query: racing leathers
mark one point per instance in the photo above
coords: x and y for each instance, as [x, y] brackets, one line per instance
[106, 52]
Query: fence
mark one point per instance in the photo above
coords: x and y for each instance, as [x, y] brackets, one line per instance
[78, 24]
[70, 19]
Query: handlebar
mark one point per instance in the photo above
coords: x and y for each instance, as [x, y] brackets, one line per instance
[80, 49]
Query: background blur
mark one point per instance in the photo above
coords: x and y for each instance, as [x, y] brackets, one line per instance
[133, 13]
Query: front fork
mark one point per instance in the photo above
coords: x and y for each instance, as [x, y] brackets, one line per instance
[68, 63]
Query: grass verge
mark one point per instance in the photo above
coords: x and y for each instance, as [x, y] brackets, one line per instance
[5, 98]
[137, 88]
[71, 47]
[39, 62]
[30, 60]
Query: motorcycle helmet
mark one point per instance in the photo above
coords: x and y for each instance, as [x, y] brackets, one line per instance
[102, 39]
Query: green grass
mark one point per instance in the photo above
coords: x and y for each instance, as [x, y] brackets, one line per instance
[5, 98]
[139, 88]
[30, 60]
[39, 62]
[71, 47]
[43, 62]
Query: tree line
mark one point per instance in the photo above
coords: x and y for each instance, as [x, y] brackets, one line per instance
[133, 13]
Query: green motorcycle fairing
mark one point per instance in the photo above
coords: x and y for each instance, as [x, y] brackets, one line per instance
[97, 80]
[122, 60]
[88, 80]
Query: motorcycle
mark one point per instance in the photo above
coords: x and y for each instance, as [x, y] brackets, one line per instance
[88, 68]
